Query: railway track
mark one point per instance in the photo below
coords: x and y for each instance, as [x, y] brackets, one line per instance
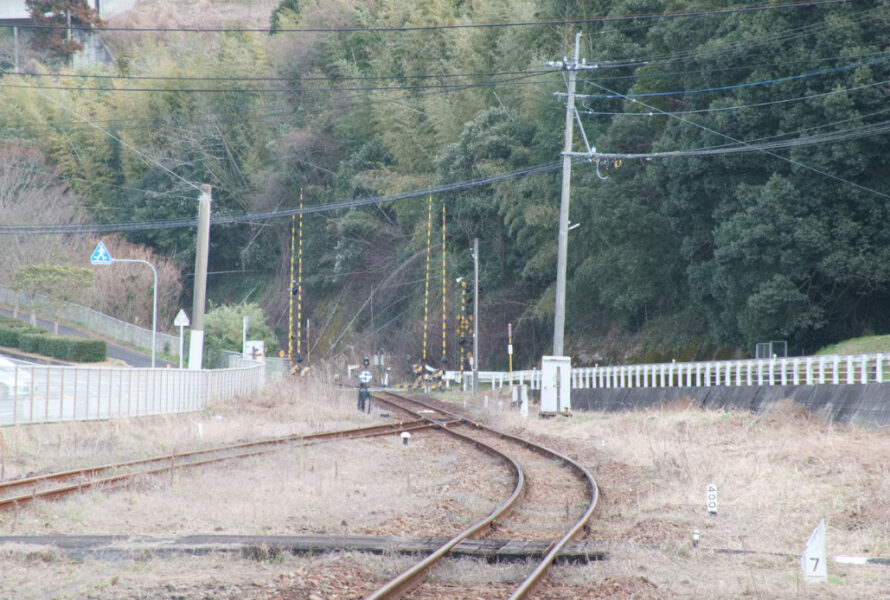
[526, 513]
[49, 486]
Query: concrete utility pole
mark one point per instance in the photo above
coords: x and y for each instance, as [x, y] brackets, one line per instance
[196, 339]
[559, 315]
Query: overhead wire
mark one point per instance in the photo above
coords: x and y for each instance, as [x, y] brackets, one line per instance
[222, 219]
[735, 86]
[404, 28]
[285, 79]
[746, 44]
[349, 204]
[718, 109]
[753, 147]
[135, 150]
[284, 90]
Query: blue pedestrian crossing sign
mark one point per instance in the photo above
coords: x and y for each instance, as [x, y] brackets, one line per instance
[100, 255]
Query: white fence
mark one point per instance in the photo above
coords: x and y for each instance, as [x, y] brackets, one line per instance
[804, 370]
[43, 394]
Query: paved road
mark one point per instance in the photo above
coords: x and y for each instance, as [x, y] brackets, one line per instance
[133, 358]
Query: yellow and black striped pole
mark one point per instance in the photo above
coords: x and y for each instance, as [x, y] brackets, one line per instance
[300, 284]
[444, 295]
[426, 295]
[290, 311]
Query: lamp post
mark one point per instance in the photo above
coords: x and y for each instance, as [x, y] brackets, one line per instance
[102, 257]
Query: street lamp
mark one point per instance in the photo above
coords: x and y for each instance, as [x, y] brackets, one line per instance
[101, 256]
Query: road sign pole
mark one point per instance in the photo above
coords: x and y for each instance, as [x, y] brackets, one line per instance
[154, 312]
[181, 321]
[101, 256]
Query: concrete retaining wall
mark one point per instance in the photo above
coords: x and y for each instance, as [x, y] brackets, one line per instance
[867, 404]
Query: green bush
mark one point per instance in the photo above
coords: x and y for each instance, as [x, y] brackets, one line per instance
[72, 349]
[12, 329]
[30, 342]
[64, 348]
[89, 350]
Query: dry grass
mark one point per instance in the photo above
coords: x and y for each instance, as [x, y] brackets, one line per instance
[777, 474]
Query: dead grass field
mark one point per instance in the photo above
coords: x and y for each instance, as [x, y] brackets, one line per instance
[776, 476]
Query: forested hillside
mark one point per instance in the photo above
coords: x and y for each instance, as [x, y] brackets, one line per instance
[740, 194]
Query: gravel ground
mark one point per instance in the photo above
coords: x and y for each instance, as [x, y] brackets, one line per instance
[776, 475]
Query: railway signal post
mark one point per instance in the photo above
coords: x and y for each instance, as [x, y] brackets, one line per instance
[364, 395]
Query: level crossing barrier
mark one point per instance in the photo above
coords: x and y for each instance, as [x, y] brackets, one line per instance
[832, 369]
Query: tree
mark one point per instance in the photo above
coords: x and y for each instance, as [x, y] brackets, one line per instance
[56, 19]
[55, 284]
[224, 327]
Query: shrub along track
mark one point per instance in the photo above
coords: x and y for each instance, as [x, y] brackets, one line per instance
[548, 484]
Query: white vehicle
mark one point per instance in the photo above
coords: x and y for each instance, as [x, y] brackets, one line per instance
[15, 381]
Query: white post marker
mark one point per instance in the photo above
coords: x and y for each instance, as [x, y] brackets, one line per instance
[813, 560]
[712, 499]
[181, 321]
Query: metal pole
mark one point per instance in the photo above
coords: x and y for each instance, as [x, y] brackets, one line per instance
[202, 250]
[559, 316]
[475, 313]
[510, 354]
[154, 310]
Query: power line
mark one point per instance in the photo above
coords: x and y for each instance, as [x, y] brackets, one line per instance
[743, 106]
[753, 147]
[91, 228]
[749, 145]
[735, 86]
[638, 63]
[404, 28]
[148, 158]
[745, 45]
[396, 88]
[270, 78]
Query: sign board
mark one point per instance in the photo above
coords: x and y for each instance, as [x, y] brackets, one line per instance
[365, 376]
[255, 350]
[182, 319]
[813, 560]
[100, 255]
[712, 498]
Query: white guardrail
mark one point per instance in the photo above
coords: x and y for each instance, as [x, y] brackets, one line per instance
[43, 394]
[805, 370]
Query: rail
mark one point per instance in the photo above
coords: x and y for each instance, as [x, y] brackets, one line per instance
[409, 578]
[832, 369]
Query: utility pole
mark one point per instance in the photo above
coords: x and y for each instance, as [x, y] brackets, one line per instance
[475, 313]
[202, 250]
[559, 315]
